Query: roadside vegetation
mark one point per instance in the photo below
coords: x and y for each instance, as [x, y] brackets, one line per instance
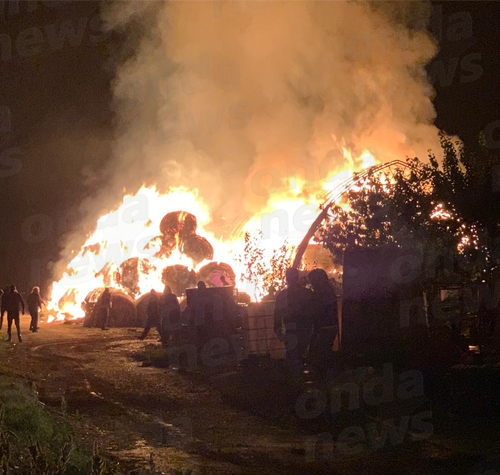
[35, 440]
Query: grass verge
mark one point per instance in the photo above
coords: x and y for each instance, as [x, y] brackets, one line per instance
[34, 440]
[37, 441]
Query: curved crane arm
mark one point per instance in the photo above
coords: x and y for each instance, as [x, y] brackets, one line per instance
[342, 190]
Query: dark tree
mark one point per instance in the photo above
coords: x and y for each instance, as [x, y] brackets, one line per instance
[440, 208]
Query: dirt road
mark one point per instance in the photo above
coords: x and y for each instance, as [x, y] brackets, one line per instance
[132, 411]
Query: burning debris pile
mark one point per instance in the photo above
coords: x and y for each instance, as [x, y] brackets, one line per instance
[178, 242]
[303, 93]
[147, 243]
[127, 255]
[178, 234]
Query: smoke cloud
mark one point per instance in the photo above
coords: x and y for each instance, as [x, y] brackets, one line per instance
[230, 96]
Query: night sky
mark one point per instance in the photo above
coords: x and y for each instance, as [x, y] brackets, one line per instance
[57, 121]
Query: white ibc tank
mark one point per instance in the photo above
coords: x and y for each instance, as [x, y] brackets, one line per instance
[258, 326]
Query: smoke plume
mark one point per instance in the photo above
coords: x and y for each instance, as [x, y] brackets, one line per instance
[230, 97]
[233, 97]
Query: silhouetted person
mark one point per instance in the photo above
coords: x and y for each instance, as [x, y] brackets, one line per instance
[12, 303]
[170, 314]
[34, 302]
[271, 295]
[325, 317]
[104, 307]
[5, 291]
[292, 311]
[201, 285]
[303, 281]
[153, 314]
[198, 306]
[201, 311]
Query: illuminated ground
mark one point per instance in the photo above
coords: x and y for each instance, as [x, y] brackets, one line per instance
[134, 410]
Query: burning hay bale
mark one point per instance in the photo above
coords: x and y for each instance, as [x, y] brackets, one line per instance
[122, 313]
[197, 248]
[217, 274]
[129, 273]
[165, 245]
[179, 223]
[178, 231]
[179, 278]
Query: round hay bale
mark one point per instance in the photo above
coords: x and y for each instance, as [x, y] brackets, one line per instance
[217, 274]
[129, 272]
[178, 222]
[122, 313]
[142, 309]
[197, 248]
[179, 278]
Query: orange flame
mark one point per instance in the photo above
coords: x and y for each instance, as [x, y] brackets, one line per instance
[132, 230]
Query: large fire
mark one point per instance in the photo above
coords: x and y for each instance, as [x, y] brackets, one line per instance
[135, 247]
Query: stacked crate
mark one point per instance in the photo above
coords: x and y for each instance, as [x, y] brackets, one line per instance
[258, 326]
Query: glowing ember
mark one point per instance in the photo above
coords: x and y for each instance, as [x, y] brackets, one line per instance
[440, 213]
[468, 234]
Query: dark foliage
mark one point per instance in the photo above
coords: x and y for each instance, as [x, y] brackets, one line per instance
[449, 206]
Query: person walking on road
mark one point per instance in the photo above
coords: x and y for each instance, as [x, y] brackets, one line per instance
[12, 303]
[104, 308]
[170, 314]
[153, 314]
[292, 312]
[325, 318]
[34, 302]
